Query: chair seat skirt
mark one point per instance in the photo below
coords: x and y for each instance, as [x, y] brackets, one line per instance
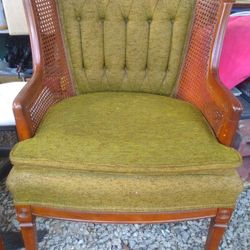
[124, 152]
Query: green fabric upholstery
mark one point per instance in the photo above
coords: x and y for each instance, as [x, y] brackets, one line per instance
[89, 191]
[125, 45]
[124, 152]
[126, 133]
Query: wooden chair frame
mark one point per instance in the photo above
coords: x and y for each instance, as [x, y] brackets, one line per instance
[1, 243]
[219, 220]
[52, 82]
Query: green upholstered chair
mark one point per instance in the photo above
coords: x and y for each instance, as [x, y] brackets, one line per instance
[124, 119]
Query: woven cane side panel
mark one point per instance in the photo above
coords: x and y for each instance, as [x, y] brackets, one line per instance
[56, 79]
[41, 105]
[192, 86]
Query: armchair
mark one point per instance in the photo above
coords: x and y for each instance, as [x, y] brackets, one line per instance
[125, 119]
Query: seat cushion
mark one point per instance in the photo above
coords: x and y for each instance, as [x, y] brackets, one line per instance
[124, 152]
[125, 133]
[88, 191]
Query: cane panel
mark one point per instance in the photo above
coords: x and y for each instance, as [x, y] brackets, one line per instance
[195, 85]
[56, 80]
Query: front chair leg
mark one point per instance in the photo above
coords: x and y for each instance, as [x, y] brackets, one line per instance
[217, 228]
[28, 227]
[1, 243]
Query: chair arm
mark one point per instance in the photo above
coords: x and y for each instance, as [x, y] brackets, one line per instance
[52, 80]
[199, 83]
[31, 104]
[226, 109]
[222, 111]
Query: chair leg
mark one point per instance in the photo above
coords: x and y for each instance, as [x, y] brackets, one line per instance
[1, 243]
[217, 228]
[28, 227]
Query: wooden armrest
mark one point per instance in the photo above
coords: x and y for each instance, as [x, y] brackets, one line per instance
[223, 113]
[199, 83]
[219, 106]
[51, 81]
[34, 100]
[227, 109]
[26, 104]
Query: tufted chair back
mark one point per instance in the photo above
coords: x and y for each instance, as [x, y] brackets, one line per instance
[166, 47]
[125, 45]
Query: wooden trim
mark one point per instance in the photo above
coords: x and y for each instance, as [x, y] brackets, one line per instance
[46, 87]
[28, 227]
[199, 81]
[1, 243]
[106, 217]
[26, 216]
[230, 105]
[33, 87]
[217, 228]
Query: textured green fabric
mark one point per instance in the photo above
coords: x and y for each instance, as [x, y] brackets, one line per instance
[125, 45]
[125, 133]
[123, 193]
[124, 152]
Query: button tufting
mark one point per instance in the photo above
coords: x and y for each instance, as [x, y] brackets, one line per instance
[102, 19]
[172, 20]
[149, 19]
[126, 19]
[78, 18]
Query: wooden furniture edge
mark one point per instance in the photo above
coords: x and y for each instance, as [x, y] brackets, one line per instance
[32, 89]
[218, 105]
[26, 215]
[1, 243]
[225, 100]
[108, 217]
[42, 90]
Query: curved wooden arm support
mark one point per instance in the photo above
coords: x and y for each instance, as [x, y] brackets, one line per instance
[22, 105]
[229, 108]
[223, 113]
[199, 83]
[28, 95]
[51, 81]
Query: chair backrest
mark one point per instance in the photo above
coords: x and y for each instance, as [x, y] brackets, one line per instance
[126, 45]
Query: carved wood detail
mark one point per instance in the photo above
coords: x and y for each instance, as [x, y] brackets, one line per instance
[217, 228]
[28, 226]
